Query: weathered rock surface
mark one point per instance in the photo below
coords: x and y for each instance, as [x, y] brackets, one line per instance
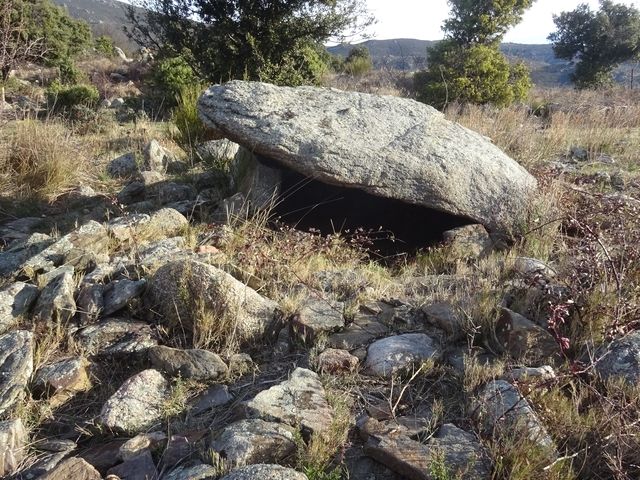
[500, 409]
[156, 157]
[56, 301]
[140, 467]
[179, 288]
[195, 363]
[621, 359]
[62, 379]
[214, 396]
[13, 445]
[386, 146]
[122, 167]
[265, 472]
[470, 241]
[15, 301]
[301, 400]
[363, 330]
[317, 316]
[90, 302]
[444, 316]
[78, 248]
[119, 293]
[524, 340]
[254, 441]
[336, 361]
[530, 266]
[17, 254]
[200, 471]
[75, 468]
[138, 444]
[137, 405]
[390, 355]
[16, 366]
[115, 336]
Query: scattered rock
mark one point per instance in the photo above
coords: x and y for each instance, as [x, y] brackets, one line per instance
[200, 471]
[337, 361]
[217, 151]
[19, 229]
[124, 166]
[16, 366]
[120, 293]
[254, 441]
[349, 138]
[524, 340]
[529, 267]
[301, 400]
[171, 192]
[241, 363]
[13, 446]
[141, 443]
[79, 248]
[444, 316]
[164, 223]
[621, 359]
[195, 364]
[56, 302]
[140, 467]
[73, 468]
[15, 301]
[213, 397]
[125, 229]
[138, 403]
[90, 302]
[463, 454]
[156, 157]
[44, 279]
[501, 410]
[116, 337]
[264, 472]
[177, 290]
[12, 259]
[391, 355]
[364, 329]
[470, 241]
[523, 373]
[62, 379]
[317, 316]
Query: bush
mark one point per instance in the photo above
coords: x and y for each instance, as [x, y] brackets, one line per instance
[191, 130]
[307, 64]
[70, 74]
[478, 74]
[63, 98]
[358, 62]
[105, 46]
[168, 78]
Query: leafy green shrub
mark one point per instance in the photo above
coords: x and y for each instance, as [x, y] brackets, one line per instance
[191, 130]
[63, 98]
[169, 77]
[105, 46]
[70, 74]
[478, 74]
[307, 64]
[358, 62]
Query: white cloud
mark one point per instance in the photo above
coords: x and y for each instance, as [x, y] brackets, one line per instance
[423, 18]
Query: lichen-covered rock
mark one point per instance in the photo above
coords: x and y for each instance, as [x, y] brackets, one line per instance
[56, 301]
[524, 340]
[621, 359]
[12, 259]
[254, 441]
[78, 248]
[140, 467]
[73, 468]
[387, 146]
[15, 301]
[13, 446]
[317, 316]
[264, 472]
[470, 241]
[156, 157]
[63, 379]
[122, 167]
[178, 290]
[500, 410]
[337, 361]
[115, 336]
[119, 293]
[301, 400]
[196, 364]
[390, 355]
[16, 366]
[138, 403]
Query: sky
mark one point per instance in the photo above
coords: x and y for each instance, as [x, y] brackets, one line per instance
[422, 19]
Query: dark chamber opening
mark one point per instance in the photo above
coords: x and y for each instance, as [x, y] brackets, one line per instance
[393, 227]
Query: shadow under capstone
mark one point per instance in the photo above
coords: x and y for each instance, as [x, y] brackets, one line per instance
[392, 227]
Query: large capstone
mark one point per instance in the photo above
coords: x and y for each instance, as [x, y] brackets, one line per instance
[388, 147]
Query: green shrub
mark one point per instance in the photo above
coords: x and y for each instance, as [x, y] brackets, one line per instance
[358, 62]
[168, 78]
[307, 64]
[70, 74]
[191, 130]
[105, 46]
[477, 74]
[63, 98]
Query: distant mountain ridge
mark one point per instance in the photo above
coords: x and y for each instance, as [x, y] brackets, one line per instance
[108, 17]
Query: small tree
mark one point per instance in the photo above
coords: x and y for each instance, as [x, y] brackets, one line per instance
[358, 62]
[598, 41]
[467, 66]
[278, 41]
[16, 46]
